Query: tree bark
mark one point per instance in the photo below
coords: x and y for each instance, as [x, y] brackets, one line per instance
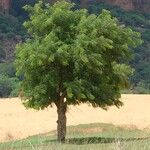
[61, 122]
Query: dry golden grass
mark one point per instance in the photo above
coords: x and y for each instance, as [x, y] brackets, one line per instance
[16, 122]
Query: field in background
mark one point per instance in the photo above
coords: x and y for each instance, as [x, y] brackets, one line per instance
[16, 122]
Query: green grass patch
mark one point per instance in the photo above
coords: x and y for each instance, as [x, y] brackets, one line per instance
[87, 137]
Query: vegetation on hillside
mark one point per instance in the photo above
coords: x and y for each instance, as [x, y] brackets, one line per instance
[10, 30]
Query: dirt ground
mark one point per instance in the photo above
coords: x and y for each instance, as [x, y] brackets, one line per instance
[16, 122]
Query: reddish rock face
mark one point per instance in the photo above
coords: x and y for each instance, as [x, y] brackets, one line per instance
[140, 5]
[5, 5]
[125, 4]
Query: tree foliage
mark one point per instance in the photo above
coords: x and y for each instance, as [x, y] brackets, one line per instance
[82, 52]
[140, 22]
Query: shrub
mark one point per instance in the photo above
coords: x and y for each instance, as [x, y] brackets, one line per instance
[7, 69]
[8, 86]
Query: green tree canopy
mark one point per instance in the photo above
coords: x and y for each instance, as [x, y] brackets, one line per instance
[73, 57]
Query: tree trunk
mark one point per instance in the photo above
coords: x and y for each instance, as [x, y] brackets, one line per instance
[61, 122]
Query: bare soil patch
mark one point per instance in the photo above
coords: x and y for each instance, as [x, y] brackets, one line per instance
[17, 122]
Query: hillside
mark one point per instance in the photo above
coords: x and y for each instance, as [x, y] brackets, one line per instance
[5, 5]
[12, 32]
[140, 5]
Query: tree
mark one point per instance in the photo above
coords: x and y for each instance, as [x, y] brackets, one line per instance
[73, 57]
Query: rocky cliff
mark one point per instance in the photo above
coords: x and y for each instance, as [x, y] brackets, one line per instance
[5, 5]
[140, 5]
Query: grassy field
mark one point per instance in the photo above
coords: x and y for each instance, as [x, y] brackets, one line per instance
[16, 122]
[131, 129]
[96, 136]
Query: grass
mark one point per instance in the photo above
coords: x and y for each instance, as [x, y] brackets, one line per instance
[87, 137]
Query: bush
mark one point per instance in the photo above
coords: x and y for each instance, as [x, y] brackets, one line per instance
[8, 86]
[7, 69]
[5, 86]
[15, 87]
[9, 83]
[10, 26]
[141, 88]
